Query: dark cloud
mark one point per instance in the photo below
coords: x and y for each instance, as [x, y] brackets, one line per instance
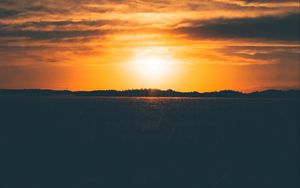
[16, 11]
[65, 23]
[270, 28]
[43, 9]
[49, 35]
[53, 30]
[7, 2]
[7, 13]
[72, 23]
[278, 54]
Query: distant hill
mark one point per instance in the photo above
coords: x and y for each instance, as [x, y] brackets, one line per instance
[153, 93]
[275, 93]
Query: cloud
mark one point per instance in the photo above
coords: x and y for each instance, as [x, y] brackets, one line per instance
[270, 54]
[284, 28]
[50, 35]
[7, 13]
[59, 24]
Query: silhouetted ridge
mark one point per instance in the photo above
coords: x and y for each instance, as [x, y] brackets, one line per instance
[224, 93]
[33, 92]
[276, 93]
[152, 93]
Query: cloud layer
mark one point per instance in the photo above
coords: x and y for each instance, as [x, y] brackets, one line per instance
[70, 35]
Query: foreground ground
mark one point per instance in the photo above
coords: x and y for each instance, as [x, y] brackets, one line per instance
[148, 142]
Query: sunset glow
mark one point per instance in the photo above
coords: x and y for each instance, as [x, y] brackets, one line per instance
[186, 46]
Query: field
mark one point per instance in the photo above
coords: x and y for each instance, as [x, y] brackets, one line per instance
[57, 141]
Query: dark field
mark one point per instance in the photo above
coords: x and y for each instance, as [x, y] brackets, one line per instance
[148, 142]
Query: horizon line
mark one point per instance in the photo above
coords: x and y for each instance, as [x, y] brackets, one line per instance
[140, 89]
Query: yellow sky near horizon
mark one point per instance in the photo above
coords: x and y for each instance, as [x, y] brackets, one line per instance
[126, 44]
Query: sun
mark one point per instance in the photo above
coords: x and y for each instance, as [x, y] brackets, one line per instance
[152, 64]
[152, 67]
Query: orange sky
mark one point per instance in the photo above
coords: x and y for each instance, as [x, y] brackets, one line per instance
[123, 44]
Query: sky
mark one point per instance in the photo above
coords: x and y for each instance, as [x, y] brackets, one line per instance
[206, 45]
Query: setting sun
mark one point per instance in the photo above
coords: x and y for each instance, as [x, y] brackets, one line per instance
[152, 64]
[152, 67]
